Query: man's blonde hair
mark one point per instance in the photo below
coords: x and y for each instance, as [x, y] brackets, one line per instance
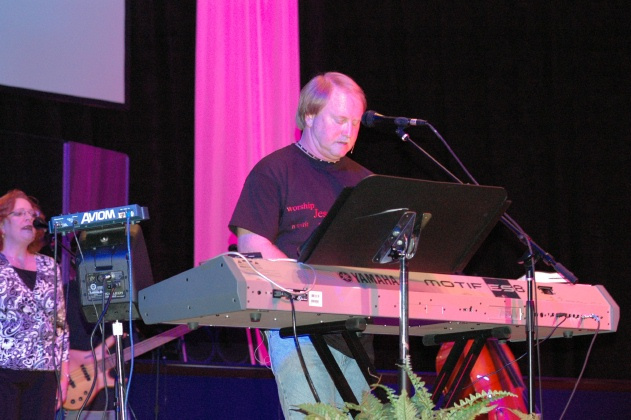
[316, 93]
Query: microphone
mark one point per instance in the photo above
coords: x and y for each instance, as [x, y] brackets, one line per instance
[372, 119]
[39, 223]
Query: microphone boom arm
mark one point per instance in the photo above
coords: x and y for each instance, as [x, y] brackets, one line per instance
[505, 219]
[406, 138]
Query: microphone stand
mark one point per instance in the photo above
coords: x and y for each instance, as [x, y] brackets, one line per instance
[117, 330]
[535, 252]
[400, 247]
[508, 221]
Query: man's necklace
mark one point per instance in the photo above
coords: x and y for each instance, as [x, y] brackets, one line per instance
[300, 146]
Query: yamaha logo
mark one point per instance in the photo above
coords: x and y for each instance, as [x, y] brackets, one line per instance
[346, 277]
[368, 278]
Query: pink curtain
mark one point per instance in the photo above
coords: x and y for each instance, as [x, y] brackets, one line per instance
[246, 93]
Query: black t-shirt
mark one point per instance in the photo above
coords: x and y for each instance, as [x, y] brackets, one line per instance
[286, 196]
[27, 276]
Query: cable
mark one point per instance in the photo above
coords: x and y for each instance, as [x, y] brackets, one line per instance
[299, 350]
[589, 350]
[536, 333]
[304, 292]
[100, 323]
[260, 346]
[76, 238]
[130, 292]
[104, 350]
[156, 407]
[517, 230]
[96, 325]
[565, 317]
[56, 368]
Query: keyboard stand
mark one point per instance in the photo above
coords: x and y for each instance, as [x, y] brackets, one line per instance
[348, 329]
[460, 340]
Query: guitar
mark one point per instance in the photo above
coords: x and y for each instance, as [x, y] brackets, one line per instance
[81, 366]
[498, 372]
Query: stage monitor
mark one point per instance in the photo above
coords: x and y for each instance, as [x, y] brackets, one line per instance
[103, 269]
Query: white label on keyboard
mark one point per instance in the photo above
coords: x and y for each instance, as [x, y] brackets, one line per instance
[315, 298]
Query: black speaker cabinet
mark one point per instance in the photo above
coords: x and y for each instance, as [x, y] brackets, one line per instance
[112, 267]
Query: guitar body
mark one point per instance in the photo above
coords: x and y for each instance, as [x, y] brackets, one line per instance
[494, 355]
[82, 374]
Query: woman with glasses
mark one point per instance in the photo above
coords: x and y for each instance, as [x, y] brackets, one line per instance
[33, 332]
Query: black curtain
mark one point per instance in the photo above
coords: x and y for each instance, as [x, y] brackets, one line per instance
[532, 96]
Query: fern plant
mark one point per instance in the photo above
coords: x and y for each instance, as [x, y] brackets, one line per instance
[404, 407]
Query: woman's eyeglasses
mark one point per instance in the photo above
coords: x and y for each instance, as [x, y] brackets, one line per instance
[20, 213]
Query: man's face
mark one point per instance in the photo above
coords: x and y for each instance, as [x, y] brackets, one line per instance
[334, 129]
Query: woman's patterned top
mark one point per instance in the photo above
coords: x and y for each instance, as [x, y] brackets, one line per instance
[30, 333]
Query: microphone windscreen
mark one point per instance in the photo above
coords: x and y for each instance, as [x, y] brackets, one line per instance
[368, 119]
[39, 223]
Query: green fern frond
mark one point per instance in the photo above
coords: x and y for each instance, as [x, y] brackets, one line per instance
[321, 411]
[419, 406]
[475, 405]
[524, 416]
[390, 393]
[415, 380]
[371, 408]
[403, 408]
[421, 399]
[486, 396]
[468, 412]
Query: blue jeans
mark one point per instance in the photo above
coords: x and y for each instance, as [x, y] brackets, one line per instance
[293, 388]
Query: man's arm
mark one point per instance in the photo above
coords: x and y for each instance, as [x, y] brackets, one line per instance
[251, 242]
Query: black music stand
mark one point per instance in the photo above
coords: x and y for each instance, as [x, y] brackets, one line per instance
[362, 218]
[366, 218]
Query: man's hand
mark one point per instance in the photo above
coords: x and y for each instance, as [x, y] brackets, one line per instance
[251, 242]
